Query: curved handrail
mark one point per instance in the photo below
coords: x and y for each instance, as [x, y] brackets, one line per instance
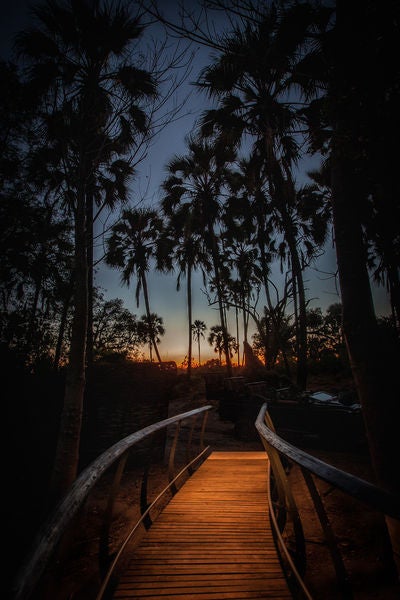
[366, 492]
[51, 532]
[287, 523]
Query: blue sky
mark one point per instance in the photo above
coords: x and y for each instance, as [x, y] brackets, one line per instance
[165, 300]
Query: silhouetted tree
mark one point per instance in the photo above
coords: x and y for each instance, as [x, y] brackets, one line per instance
[198, 178]
[131, 247]
[351, 121]
[150, 328]
[355, 76]
[216, 339]
[251, 81]
[115, 328]
[182, 246]
[91, 96]
[198, 329]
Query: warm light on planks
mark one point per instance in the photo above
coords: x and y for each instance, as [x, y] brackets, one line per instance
[213, 541]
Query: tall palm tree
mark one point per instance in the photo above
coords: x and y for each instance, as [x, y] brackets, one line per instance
[198, 329]
[254, 209]
[217, 338]
[251, 79]
[364, 101]
[130, 248]
[79, 68]
[351, 121]
[356, 184]
[198, 179]
[150, 328]
[237, 234]
[182, 246]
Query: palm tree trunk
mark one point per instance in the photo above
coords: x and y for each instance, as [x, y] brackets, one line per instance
[275, 325]
[284, 192]
[301, 313]
[374, 365]
[89, 228]
[245, 326]
[237, 334]
[189, 301]
[245, 319]
[67, 453]
[148, 313]
[33, 311]
[218, 283]
[61, 330]
[224, 328]
[394, 287]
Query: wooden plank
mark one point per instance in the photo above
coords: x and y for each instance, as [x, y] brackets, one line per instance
[212, 541]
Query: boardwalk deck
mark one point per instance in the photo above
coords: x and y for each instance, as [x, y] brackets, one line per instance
[213, 541]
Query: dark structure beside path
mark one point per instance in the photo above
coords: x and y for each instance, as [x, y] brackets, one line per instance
[121, 398]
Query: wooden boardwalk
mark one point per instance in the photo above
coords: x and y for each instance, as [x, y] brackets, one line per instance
[213, 541]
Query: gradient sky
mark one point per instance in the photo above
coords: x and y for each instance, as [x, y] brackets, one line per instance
[321, 286]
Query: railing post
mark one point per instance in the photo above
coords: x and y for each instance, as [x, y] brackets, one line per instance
[104, 554]
[189, 444]
[341, 573]
[144, 503]
[171, 463]
[143, 497]
[203, 428]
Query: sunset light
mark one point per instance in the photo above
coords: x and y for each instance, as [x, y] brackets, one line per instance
[200, 298]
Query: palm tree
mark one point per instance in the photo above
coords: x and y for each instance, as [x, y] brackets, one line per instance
[198, 179]
[217, 339]
[91, 95]
[251, 80]
[182, 246]
[266, 340]
[198, 329]
[351, 121]
[150, 328]
[130, 247]
[253, 209]
[357, 187]
[238, 235]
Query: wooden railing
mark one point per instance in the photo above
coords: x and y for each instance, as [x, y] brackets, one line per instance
[37, 577]
[285, 517]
